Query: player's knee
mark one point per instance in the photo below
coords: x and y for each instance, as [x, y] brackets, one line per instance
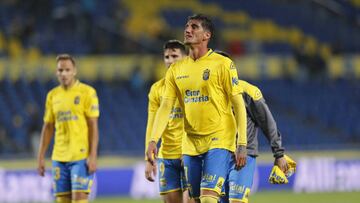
[63, 199]
[173, 197]
[80, 197]
[206, 192]
[208, 199]
[187, 198]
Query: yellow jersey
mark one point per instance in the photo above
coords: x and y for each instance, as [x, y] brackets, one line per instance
[204, 87]
[68, 110]
[171, 139]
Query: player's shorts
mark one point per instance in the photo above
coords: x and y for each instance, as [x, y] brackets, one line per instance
[171, 175]
[71, 177]
[239, 182]
[207, 171]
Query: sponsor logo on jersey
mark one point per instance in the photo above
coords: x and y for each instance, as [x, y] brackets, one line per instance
[206, 74]
[195, 96]
[62, 116]
[182, 77]
[176, 112]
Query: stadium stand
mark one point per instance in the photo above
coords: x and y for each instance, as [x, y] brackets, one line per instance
[309, 114]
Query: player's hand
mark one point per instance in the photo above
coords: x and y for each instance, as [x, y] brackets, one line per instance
[151, 153]
[41, 166]
[282, 164]
[150, 171]
[91, 165]
[240, 157]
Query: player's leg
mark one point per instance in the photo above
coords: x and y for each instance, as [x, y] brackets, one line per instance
[81, 181]
[80, 197]
[169, 171]
[215, 171]
[224, 198]
[193, 169]
[63, 199]
[185, 195]
[241, 181]
[61, 182]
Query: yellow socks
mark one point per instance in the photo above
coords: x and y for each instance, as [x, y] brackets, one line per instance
[208, 199]
[80, 201]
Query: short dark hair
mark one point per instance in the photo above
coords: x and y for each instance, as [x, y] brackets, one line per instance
[175, 44]
[206, 22]
[61, 57]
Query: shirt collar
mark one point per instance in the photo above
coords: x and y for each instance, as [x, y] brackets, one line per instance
[208, 53]
[76, 83]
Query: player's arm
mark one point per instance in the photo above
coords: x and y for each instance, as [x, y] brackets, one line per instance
[160, 123]
[266, 122]
[234, 90]
[92, 123]
[46, 136]
[162, 114]
[241, 123]
[153, 106]
[92, 113]
[46, 133]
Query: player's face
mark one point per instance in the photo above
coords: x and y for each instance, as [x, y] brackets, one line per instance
[194, 33]
[66, 72]
[172, 55]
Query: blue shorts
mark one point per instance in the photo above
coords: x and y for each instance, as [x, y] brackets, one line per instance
[239, 182]
[207, 171]
[71, 177]
[171, 175]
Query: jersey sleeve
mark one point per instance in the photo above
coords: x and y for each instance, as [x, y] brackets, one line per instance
[154, 100]
[230, 78]
[153, 106]
[92, 104]
[170, 85]
[49, 113]
[267, 124]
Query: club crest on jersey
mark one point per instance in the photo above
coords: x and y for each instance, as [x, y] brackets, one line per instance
[206, 74]
[77, 100]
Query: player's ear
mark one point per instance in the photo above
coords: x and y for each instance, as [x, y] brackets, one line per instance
[207, 36]
[75, 70]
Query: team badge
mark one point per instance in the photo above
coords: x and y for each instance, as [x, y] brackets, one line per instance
[206, 74]
[77, 100]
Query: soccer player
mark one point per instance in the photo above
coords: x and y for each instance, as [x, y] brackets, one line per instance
[72, 111]
[170, 170]
[239, 182]
[206, 85]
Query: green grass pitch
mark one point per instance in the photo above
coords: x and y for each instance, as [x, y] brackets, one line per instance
[272, 197]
